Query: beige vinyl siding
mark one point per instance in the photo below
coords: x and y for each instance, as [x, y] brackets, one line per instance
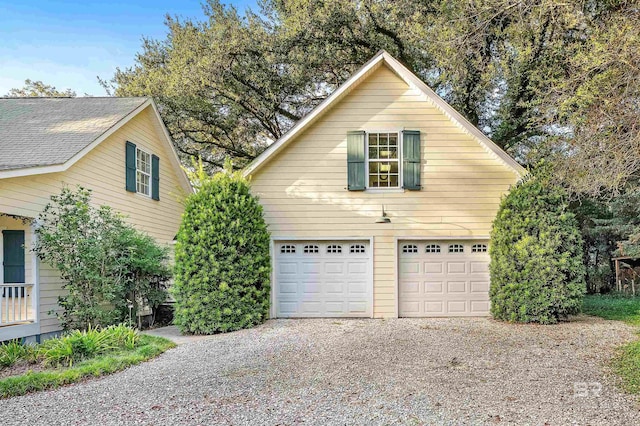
[303, 188]
[103, 171]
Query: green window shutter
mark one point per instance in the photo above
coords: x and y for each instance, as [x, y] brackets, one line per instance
[356, 171]
[131, 167]
[411, 160]
[155, 177]
[13, 256]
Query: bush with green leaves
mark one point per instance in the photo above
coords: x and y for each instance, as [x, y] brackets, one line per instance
[222, 262]
[110, 269]
[537, 272]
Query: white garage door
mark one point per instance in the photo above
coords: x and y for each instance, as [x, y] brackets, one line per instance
[443, 278]
[323, 279]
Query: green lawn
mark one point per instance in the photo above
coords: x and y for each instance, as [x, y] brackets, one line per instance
[613, 307]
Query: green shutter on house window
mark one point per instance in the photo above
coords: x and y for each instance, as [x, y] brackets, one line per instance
[411, 160]
[155, 177]
[356, 171]
[131, 167]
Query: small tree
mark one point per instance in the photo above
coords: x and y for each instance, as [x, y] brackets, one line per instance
[106, 264]
[222, 257]
[537, 273]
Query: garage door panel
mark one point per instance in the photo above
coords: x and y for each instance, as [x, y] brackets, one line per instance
[357, 288]
[456, 268]
[288, 288]
[456, 286]
[288, 268]
[433, 267]
[410, 287]
[323, 279]
[434, 307]
[453, 277]
[409, 267]
[311, 268]
[480, 306]
[479, 286]
[357, 268]
[334, 287]
[479, 267]
[456, 306]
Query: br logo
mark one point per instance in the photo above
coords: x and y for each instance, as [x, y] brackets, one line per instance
[586, 389]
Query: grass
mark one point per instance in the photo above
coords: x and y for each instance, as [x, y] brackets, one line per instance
[613, 307]
[78, 356]
[626, 363]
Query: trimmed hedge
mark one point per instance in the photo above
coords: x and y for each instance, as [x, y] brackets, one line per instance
[537, 273]
[222, 259]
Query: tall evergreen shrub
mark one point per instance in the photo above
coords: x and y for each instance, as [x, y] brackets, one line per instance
[537, 271]
[222, 257]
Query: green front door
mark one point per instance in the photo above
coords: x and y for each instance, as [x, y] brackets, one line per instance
[13, 259]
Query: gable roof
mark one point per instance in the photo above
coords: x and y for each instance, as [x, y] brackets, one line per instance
[412, 80]
[48, 135]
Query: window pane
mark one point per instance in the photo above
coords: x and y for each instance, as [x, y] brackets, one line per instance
[384, 139]
[373, 167]
[393, 180]
[373, 153]
[373, 139]
[393, 139]
[394, 166]
[393, 152]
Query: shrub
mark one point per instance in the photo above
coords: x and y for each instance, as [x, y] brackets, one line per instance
[222, 257]
[107, 265]
[14, 351]
[537, 273]
[78, 345]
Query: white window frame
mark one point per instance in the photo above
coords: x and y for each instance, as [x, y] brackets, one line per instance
[138, 171]
[398, 188]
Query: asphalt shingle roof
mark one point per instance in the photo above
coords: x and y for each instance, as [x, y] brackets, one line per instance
[50, 131]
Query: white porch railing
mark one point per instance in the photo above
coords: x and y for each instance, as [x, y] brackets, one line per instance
[16, 304]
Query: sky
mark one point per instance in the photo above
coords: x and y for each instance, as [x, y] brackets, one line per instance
[69, 43]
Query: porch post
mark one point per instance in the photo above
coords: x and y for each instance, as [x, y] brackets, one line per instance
[35, 273]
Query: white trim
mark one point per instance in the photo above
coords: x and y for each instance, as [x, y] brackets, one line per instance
[2, 228]
[35, 277]
[11, 332]
[400, 136]
[144, 173]
[173, 158]
[274, 240]
[410, 79]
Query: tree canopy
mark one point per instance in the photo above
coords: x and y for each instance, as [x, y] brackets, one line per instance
[542, 79]
[38, 89]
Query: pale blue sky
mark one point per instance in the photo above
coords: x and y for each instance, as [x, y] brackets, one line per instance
[68, 43]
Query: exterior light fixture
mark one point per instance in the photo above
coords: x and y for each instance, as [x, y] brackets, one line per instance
[385, 168]
[383, 218]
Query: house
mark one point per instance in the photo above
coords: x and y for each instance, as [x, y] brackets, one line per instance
[117, 147]
[380, 203]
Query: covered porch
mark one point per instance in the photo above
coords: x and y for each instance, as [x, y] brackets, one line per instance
[18, 279]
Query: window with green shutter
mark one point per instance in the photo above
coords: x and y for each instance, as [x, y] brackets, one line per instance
[142, 171]
[383, 160]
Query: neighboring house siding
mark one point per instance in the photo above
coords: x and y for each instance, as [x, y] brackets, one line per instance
[103, 171]
[303, 188]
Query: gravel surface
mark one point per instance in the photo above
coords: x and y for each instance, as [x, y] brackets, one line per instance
[360, 372]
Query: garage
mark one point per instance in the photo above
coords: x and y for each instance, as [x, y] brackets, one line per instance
[323, 279]
[443, 278]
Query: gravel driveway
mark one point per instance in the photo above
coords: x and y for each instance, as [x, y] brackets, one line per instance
[365, 372]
